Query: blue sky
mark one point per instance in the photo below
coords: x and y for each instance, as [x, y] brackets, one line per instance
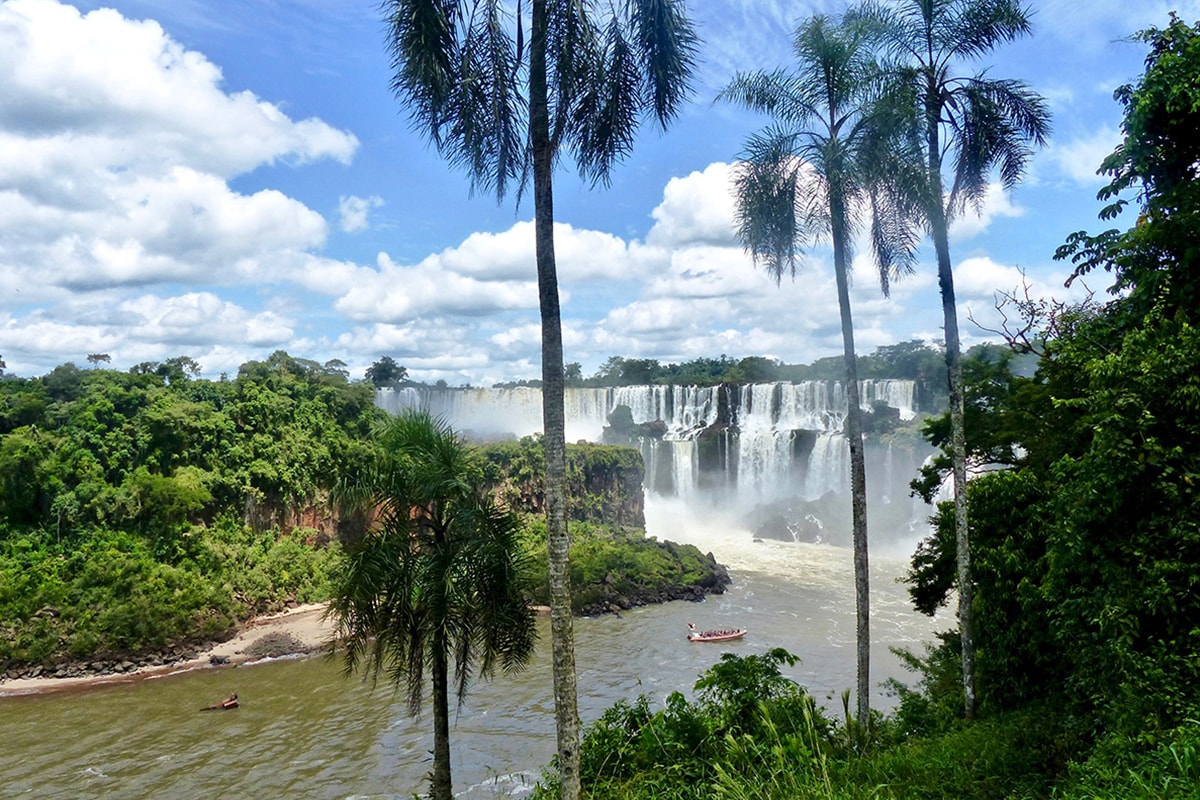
[225, 179]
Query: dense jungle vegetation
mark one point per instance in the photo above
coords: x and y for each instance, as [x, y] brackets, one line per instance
[915, 360]
[145, 510]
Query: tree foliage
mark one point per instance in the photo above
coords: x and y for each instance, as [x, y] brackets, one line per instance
[386, 372]
[439, 583]
[1157, 162]
[156, 473]
[1089, 544]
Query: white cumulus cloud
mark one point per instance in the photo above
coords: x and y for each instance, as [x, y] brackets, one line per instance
[353, 212]
[695, 209]
[1079, 158]
[117, 145]
[996, 203]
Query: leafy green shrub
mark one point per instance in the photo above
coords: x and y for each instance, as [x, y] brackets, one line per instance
[610, 564]
[102, 595]
[774, 764]
[1016, 755]
[681, 749]
[1122, 768]
[263, 570]
[105, 593]
[935, 707]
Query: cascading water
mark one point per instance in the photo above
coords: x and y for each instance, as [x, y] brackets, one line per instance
[828, 466]
[894, 394]
[737, 447]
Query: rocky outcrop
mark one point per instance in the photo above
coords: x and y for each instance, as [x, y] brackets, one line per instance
[103, 666]
[617, 596]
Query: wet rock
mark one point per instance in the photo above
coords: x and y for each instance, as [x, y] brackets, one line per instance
[274, 645]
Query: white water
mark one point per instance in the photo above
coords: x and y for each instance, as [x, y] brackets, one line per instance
[808, 405]
[761, 455]
[828, 466]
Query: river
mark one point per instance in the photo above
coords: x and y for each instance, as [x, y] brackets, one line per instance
[306, 730]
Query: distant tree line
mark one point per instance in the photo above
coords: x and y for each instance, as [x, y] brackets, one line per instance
[914, 360]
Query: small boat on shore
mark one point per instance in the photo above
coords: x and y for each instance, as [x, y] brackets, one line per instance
[224, 705]
[722, 635]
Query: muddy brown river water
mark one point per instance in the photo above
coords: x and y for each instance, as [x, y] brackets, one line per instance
[306, 730]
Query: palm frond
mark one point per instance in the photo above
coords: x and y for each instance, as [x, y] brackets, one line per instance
[894, 235]
[979, 125]
[439, 575]
[767, 190]
[573, 49]
[973, 28]
[845, 121]
[608, 110]
[422, 44]
[609, 77]
[457, 65]
[667, 45]
[999, 122]
[453, 64]
[779, 93]
[902, 30]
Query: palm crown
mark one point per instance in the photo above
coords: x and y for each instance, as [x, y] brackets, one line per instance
[974, 124]
[459, 65]
[816, 172]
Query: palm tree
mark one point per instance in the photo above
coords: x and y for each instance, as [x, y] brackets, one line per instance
[593, 72]
[961, 129]
[810, 176]
[439, 577]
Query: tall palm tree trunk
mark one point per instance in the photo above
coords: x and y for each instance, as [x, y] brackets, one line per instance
[858, 471]
[958, 457]
[562, 634]
[440, 787]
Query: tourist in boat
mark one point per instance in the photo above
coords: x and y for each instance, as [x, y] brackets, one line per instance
[723, 634]
[228, 702]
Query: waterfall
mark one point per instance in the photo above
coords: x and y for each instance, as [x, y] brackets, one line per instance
[485, 413]
[733, 445]
[685, 466]
[828, 466]
[896, 394]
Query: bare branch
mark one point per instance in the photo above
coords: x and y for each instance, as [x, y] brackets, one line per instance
[1028, 323]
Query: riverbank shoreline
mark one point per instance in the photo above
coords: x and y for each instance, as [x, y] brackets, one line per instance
[304, 630]
[297, 631]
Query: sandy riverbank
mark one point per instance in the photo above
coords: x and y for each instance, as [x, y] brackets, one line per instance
[301, 629]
